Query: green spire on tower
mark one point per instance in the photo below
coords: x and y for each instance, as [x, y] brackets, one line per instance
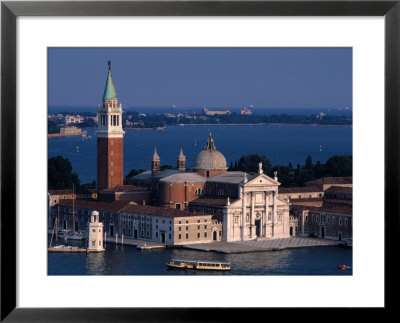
[109, 91]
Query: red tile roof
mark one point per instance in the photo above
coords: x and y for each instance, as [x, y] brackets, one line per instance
[158, 210]
[328, 207]
[332, 180]
[124, 188]
[306, 189]
[215, 200]
[69, 192]
[340, 190]
[114, 206]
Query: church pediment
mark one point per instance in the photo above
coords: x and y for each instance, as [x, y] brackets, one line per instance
[261, 180]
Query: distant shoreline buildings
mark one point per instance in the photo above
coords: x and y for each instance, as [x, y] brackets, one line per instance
[205, 204]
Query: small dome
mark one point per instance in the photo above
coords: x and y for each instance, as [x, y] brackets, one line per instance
[210, 158]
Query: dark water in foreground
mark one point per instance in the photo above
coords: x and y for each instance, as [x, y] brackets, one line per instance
[128, 260]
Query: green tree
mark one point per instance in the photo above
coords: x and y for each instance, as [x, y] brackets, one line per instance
[166, 166]
[60, 174]
[88, 185]
[339, 166]
[249, 163]
[132, 173]
[309, 164]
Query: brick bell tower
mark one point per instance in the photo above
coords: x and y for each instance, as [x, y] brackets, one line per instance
[110, 136]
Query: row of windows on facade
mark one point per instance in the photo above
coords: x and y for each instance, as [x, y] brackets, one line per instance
[198, 235]
[322, 218]
[279, 217]
[328, 233]
[304, 196]
[187, 228]
[114, 120]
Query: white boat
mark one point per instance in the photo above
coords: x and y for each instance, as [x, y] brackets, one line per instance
[71, 235]
[198, 264]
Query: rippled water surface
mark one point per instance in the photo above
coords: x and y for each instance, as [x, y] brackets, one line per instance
[281, 145]
[127, 260]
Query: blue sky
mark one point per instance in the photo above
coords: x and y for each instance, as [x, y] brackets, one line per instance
[202, 77]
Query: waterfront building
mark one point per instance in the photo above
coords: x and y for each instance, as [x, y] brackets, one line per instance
[167, 225]
[329, 218]
[247, 206]
[73, 119]
[56, 195]
[139, 222]
[326, 182]
[109, 138]
[245, 111]
[137, 194]
[215, 112]
[95, 240]
[306, 192]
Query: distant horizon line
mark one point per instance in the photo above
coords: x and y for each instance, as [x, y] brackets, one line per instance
[202, 107]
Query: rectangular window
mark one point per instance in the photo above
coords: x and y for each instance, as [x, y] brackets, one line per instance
[187, 228]
[187, 236]
[205, 234]
[198, 234]
[180, 229]
[179, 236]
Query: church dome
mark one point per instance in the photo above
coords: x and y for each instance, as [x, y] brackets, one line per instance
[210, 158]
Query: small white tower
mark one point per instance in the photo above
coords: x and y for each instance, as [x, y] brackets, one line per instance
[95, 242]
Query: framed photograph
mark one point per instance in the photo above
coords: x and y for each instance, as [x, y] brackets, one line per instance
[189, 73]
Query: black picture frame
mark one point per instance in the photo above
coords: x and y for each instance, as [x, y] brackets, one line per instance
[11, 10]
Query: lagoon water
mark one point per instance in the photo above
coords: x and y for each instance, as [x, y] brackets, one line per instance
[128, 260]
[280, 144]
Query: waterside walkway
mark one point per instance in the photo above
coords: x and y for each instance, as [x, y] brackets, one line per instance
[263, 245]
[140, 244]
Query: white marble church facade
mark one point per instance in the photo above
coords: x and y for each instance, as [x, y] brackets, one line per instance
[258, 213]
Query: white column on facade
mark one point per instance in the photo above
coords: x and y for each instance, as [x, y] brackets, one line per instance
[302, 222]
[273, 212]
[265, 214]
[252, 217]
[243, 215]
